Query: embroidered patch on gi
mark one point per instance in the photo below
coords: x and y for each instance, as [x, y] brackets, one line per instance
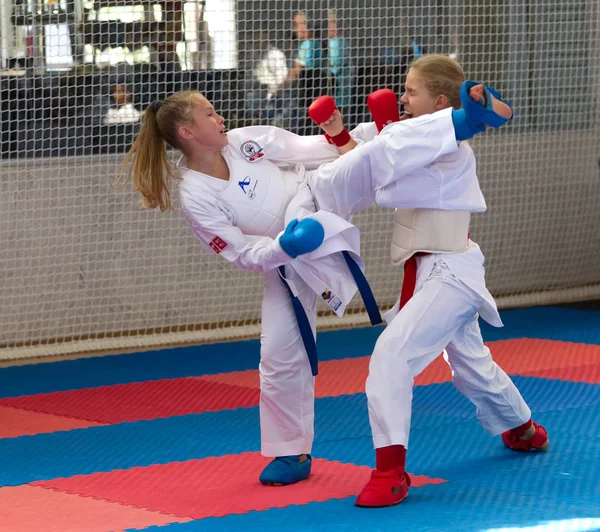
[251, 190]
[331, 299]
[251, 151]
[217, 244]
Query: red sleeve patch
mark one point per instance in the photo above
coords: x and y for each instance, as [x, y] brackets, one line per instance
[218, 244]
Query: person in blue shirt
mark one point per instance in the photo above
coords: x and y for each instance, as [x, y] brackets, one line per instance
[312, 49]
[340, 64]
[308, 78]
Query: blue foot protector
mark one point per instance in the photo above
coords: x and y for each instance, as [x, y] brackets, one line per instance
[479, 113]
[286, 470]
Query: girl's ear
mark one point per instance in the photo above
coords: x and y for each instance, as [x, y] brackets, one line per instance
[186, 133]
[442, 102]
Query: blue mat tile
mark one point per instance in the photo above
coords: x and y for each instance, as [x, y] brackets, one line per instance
[446, 507]
[562, 480]
[548, 323]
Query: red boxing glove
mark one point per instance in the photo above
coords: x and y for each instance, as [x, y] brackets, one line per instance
[320, 111]
[384, 107]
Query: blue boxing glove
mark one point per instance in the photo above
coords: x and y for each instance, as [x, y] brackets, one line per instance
[301, 237]
[473, 117]
[465, 127]
[478, 112]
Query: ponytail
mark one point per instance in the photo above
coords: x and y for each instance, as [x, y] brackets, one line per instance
[147, 161]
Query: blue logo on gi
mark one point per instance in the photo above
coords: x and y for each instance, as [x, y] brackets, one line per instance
[331, 299]
[246, 183]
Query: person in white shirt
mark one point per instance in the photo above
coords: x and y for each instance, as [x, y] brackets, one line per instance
[123, 111]
[242, 194]
[265, 66]
[272, 69]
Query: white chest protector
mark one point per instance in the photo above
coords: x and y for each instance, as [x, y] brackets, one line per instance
[258, 194]
[428, 230]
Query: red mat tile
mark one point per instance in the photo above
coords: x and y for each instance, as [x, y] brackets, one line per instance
[589, 373]
[36, 509]
[519, 357]
[136, 401]
[164, 398]
[531, 357]
[15, 422]
[516, 357]
[248, 378]
[336, 377]
[348, 376]
[436, 373]
[215, 487]
[341, 377]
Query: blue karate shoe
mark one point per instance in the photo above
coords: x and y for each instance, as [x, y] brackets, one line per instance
[285, 470]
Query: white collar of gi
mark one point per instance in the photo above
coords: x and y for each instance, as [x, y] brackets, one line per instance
[181, 165]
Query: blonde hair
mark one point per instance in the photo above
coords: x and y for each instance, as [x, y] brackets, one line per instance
[441, 75]
[147, 160]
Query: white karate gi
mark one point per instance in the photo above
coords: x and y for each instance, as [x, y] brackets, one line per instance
[442, 315]
[241, 219]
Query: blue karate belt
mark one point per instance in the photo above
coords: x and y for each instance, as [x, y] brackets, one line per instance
[306, 333]
[364, 289]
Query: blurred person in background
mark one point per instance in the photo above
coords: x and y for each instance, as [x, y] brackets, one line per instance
[121, 111]
[340, 63]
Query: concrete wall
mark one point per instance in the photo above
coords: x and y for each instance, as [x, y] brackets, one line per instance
[79, 259]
